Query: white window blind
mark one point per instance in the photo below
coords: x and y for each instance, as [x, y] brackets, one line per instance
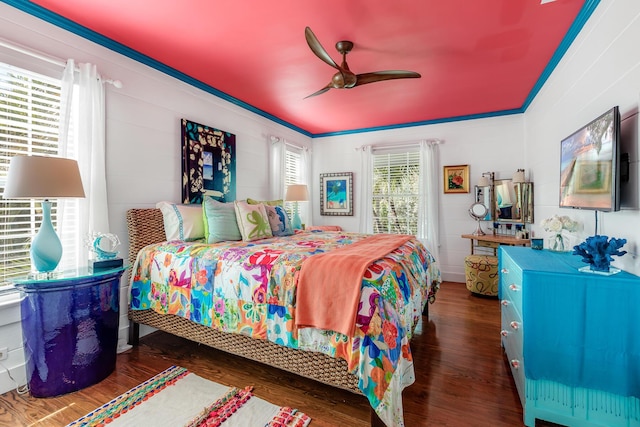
[396, 192]
[29, 114]
[293, 171]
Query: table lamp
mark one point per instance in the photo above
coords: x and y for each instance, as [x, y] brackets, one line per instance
[38, 177]
[296, 193]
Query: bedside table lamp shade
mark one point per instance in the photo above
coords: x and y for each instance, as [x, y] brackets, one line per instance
[38, 177]
[296, 193]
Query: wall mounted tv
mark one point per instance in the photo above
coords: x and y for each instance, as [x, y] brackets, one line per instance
[589, 165]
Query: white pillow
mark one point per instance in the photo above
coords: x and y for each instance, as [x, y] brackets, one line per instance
[182, 222]
[252, 221]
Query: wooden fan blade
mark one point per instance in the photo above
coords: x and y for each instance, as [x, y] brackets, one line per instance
[379, 76]
[317, 48]
[321, 91]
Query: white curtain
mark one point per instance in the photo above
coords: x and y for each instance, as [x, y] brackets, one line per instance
[82, 136]
[366, 185]
[277, 168]
[428, 219]
[306, 208]
[278, 173]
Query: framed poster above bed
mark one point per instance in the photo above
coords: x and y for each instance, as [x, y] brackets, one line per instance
[208, 163]
[336, 193]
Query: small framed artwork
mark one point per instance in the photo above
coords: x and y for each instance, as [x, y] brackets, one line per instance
[336, 194]
[456, 179]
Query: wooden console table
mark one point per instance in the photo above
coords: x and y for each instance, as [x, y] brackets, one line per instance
[493, 241]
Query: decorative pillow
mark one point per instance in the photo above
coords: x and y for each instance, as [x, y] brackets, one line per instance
[278, 202]
[252, 221]
[220, 221]
[324, 228]
[182, 222]
[279, 221]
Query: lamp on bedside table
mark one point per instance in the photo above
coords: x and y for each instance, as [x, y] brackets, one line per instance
[38, 177]
[296, 193]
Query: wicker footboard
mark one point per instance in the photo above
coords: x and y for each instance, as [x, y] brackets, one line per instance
[316, 366]
[146, 227]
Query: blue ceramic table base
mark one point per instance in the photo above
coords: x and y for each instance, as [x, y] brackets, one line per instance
[70, 330]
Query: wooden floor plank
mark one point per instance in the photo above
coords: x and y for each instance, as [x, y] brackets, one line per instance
[462, 376]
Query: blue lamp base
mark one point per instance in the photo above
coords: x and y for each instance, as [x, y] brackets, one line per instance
[46, 248]
[296, 222]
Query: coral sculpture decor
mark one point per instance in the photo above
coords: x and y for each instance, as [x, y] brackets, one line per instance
[597, 251]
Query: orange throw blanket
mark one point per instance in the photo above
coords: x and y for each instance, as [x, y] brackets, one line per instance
[330, 284]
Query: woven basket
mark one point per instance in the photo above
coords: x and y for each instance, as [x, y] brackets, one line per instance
[146, 227]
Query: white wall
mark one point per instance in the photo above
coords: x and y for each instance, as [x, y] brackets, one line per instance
[143, 143]
[600, 70]
[494, 144]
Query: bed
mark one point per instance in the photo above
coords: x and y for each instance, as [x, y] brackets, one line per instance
[256, 318]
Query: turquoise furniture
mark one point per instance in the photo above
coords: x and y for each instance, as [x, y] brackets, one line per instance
[571, 339]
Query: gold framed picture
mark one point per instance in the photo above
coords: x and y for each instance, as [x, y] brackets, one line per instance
[456, 179]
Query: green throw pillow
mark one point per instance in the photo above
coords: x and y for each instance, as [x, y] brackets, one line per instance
[278, 202]
[252, 221]
[220, 221]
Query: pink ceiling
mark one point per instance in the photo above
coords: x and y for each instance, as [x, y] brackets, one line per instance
[476, 57]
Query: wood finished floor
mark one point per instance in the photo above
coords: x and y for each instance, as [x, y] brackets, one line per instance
[462, 377]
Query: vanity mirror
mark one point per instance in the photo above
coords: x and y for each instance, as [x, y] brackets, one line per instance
[513, 201]
[478, 211]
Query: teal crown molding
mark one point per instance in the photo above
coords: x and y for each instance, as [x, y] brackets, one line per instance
[582, 18]
[62, 22]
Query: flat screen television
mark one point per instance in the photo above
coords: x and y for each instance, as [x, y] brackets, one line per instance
[589, 165]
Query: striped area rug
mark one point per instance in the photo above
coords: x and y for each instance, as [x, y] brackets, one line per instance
[177, 397]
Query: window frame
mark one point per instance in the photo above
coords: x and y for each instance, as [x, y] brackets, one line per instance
[406, 223]
[30, 105]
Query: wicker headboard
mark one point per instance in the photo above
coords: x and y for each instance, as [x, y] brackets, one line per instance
[145, 227]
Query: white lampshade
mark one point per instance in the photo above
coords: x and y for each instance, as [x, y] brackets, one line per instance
[297, 193]
[484, 182]
[518, 176]
[38, 177]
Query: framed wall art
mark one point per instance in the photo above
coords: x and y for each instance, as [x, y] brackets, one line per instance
[336, 194]
[456, 179]
[208, 163]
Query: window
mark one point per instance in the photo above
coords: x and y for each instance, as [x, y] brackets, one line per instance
[292, 170]
[396, 192]
[29, 114]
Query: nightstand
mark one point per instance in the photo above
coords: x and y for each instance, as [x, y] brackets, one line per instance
[70, 329]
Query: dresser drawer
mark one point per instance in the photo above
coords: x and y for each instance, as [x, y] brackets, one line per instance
[485, 244]
[512, 329]
[510, 281]
[516, 364]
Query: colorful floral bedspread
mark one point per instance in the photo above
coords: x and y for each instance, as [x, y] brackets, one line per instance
[250, 288]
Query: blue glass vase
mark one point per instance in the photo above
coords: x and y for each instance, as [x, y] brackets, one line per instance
[46, 248]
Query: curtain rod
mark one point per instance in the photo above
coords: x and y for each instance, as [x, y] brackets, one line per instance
[47, 58]
[275, 139]
[430, 141]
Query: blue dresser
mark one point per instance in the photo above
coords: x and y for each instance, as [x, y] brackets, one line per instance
[572, 339]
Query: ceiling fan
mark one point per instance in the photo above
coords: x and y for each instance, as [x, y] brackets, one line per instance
[344, 78]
